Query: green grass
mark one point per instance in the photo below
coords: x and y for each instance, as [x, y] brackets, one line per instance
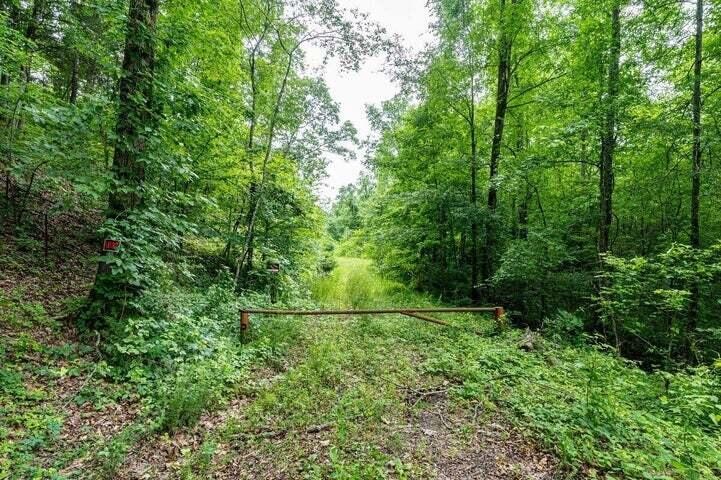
[347, 374]
[352, 285]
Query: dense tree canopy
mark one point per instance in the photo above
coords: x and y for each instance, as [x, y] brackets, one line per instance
[208, 126]
[537, 145]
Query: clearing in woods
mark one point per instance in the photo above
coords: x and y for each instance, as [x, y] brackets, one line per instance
[357, 397]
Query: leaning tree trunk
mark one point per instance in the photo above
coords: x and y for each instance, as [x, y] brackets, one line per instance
[135, 117]
[694, 305]
[248, 247]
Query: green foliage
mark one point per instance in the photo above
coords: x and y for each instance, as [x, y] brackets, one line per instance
[565, 327]
[646, 300]
[538, 276]
[178, 326]
[345, 216]
[600, 414]
[28, 424]
[354, 285]
[193, 390]
[327, 262]
[199, 142]
[19, 313]
[431, 222]
[593, 409]
[111, 455]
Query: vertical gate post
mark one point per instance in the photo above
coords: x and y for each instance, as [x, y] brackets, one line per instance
[499, 313]
[244, 321]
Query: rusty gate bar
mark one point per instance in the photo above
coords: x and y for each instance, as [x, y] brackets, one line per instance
[427, 318]
[498, 312]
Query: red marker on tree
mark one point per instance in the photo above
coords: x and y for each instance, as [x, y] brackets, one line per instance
[111, 245]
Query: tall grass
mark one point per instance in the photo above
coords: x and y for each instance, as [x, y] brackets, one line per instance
[353, 284]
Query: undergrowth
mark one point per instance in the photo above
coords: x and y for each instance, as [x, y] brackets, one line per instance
[601, 415]
[180, 357]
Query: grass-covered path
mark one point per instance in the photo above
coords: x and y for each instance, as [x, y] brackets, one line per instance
[390, 397]
[359, 399]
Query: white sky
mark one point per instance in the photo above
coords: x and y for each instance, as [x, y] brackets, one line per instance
[354, 90]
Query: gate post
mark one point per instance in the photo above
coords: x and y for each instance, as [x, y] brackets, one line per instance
[499, 313]
[244, 321]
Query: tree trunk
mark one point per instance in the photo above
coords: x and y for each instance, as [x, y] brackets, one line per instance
[253, 187]
[521, 145]
[608, 135]
[694, 305]
[502, 89]
[135, 105]
[696, 102]
[135, 115]
[475, 293]
[248, 247]
[522, 233]
[74, 80]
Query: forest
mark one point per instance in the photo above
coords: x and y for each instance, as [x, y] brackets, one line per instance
[162, 166]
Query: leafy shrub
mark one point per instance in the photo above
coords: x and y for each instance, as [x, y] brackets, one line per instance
[327, 263]
[537, 276]
[178, 326]
[645, 301]
[192, 390]
[353, 245]
[594, 410]
[18, 312]
[565, 327]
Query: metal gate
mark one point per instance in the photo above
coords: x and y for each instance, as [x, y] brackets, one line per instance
[418, 313]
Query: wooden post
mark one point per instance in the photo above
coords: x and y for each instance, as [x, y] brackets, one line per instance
[244, 321]
[499, 314]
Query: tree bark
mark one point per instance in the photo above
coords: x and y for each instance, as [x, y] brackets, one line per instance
[608, 135]
[135, 115]
[694, 304]
[253, 187]
[248, 247]
[521, 145]
[253, 121]
[475, 292]
[135, 106]
[74, 80]
[696, 105]
[74, 77]
[522, 233]
[31, 32]
[503, 86]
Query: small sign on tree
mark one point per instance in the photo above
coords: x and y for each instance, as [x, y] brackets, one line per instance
[110, 245]
[273, 267]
